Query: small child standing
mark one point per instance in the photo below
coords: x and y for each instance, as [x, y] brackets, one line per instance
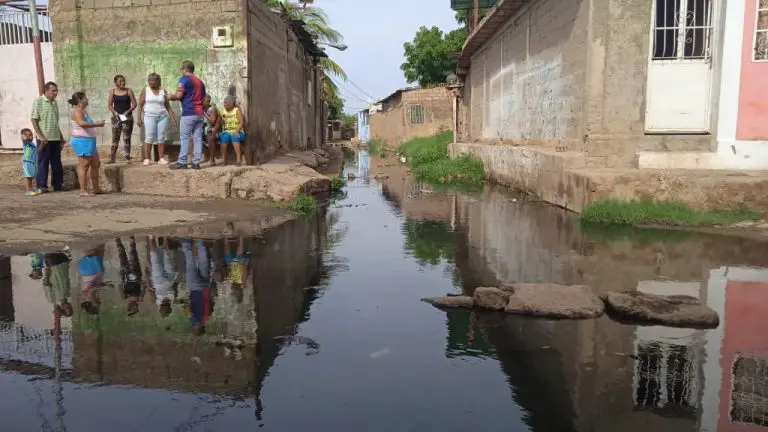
[29, 161]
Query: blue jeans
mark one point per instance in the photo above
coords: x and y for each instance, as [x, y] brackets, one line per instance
[197, 271]
[50, 156]
[191, 126]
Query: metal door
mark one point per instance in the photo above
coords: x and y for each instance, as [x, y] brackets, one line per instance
[679, 92]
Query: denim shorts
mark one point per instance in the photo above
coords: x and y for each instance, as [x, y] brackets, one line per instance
[228, 138]
[155, 128]
[83, 146]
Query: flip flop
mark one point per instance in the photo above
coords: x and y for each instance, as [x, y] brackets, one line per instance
[86, 194]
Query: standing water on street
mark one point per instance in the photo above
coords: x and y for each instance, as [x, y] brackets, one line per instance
[319, 325]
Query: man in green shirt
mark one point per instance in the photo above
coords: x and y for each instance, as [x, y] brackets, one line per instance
[56, 282]
[45, 120]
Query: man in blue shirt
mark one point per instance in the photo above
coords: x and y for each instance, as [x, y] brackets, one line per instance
[190, 92]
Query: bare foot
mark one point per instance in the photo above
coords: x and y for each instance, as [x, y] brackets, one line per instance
[86, 194]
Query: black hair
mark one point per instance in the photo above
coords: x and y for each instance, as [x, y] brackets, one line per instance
[76, 98]
[152, 75]
[117, 77]
[188, 66]
[50, 84]
[25, 130]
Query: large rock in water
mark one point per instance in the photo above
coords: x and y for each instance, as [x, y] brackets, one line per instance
[554, 301]
[491, 298]
[673, 310]
[451, 302]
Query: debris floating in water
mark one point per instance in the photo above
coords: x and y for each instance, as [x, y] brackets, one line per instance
[380, 353]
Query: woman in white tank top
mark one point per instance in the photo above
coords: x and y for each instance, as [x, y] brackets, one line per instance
[154, 114]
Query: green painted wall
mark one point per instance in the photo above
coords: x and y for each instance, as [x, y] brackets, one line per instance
[91, 67]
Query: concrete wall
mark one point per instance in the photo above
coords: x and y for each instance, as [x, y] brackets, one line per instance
[568, 75]
[527, 82]
[102, 38]
[363, 126]
[18, 88]
[287, 112]
[268, 66]
[394, 125]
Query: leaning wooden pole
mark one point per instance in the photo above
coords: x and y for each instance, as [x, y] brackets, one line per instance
[36, 46]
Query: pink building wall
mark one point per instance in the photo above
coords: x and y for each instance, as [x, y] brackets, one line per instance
[752, 124]
[746, 306]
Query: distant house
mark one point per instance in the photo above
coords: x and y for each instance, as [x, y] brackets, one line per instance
[412, 112]
[363, 126]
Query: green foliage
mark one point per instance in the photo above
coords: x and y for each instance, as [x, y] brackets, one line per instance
[335, 107]
[640, 236]
[377, 147]
[461, 16]
[337, 185]
[303, 205]
[348, 121]
[649, 212]
[428, 241]
[427, 59]
[429, 158]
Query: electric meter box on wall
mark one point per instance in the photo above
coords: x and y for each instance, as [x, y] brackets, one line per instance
[222, 37]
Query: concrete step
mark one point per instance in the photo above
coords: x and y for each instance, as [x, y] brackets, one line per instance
[277, 180]
[701, 189]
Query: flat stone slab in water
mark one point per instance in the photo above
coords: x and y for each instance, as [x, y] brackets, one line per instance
[451, 302]
[553, 301]
[491, 298]
[673, 310]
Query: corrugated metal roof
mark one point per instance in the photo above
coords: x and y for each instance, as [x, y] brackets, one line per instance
[495, 19]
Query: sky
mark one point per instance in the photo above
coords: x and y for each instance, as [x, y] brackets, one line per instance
[375, 31]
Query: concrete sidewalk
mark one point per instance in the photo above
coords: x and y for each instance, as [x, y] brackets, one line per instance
[277, 180]
[566, 180]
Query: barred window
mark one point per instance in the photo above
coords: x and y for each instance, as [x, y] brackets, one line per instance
[749, 394]
[417, 113]
[761, 32]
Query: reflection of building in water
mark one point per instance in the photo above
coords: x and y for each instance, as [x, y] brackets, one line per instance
[26, 334]
[668, 379]
[738, 351]
[363, 164]
[599, 375]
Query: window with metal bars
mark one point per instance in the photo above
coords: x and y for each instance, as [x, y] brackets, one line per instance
[665, 380]
[749, 394]
[761, 32]
[417, 113]
[682, 29]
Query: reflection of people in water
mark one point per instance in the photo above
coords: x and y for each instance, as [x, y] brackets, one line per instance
[131, 285]
[56, 282]
[37, 262]
[198, 275]
[233, 283]
[162, 274]
[91, 268]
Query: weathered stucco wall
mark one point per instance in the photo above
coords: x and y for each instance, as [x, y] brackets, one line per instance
[394, 124]
[569, 75]
[18, 88]
[527, 82]
[286, 111]
[95, 40]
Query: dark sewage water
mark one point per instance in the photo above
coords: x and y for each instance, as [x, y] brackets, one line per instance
[318, 325]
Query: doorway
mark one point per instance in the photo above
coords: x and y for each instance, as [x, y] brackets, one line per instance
[679, 92]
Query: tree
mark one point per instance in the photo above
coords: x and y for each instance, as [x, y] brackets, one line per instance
[316, 23]
[335, 108]
[462, 15]
[427, 57]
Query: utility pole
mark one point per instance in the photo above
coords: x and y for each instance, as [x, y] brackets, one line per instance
[477, 13]
[36, 46]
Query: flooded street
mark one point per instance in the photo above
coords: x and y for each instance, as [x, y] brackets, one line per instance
[318, 325]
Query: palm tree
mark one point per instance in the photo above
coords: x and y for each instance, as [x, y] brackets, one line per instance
[316, 23]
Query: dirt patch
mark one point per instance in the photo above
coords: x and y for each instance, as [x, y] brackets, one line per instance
[47, 221]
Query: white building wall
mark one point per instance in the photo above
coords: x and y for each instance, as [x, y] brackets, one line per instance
[18, 88]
